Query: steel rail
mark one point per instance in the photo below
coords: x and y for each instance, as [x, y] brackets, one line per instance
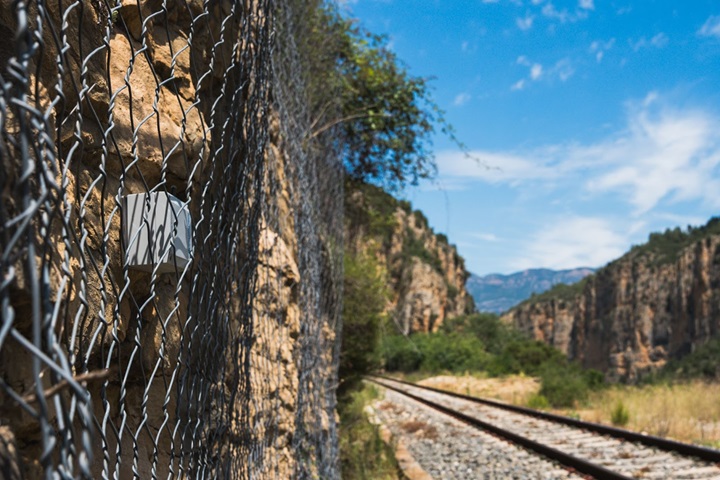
[686, 449]
[578, 464]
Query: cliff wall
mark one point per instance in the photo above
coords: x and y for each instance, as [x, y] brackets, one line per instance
[425, 275]
[658, 302]
[224, 368]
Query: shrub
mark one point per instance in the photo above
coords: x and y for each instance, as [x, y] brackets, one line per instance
[595, 380]
[620, 414]
[453, 353]
[526, 356]
[435, 352]
[563, 386]
[703, 363]
[538, 402]
[401, 354]
[485, 326]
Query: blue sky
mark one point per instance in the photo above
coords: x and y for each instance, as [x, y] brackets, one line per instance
[594, 122]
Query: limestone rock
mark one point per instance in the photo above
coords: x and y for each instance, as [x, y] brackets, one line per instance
[635, 314]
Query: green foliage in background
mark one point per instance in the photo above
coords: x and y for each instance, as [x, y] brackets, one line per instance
[435, 352]
[703, 363]
[363, 454]
[664, 247]
[560, 291]
[481, 343]
[494, 334]
[415, 247]
[370, 208]
[364, 297]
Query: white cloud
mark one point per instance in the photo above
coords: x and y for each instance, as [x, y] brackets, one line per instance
[664, 155]
[536, 71]
[566, 16]
[658, 41]
[569, 242]
[525, 23]
[551, 12]
[674, 156]
[599, 48]
[711, 28]
[493, 167]
[624, 10]
[461, 99]
[563, 70]
[485, 237]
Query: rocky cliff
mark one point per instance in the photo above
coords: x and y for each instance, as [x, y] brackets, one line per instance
[425, 275]
[660, 301]
[223, 368]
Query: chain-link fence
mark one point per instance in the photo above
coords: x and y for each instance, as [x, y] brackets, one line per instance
[171, 244]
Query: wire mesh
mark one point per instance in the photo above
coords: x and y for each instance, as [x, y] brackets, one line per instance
[221, 368]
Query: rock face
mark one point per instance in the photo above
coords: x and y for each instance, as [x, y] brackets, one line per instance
[224, 369]
[426, 276]
[658, 302]
[498, 293]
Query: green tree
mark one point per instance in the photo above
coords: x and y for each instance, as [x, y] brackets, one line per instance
[364, 297]
[379, 116]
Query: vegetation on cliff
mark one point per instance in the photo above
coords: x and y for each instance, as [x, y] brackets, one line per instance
[662, 248]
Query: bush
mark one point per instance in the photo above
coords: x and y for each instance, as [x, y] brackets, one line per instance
[563, 386]
[538, 402]
[401, 354]
[453, 353]
[485, 326]
[526, 356]
[703, 363]
[435, 352]
[480, 342]
[620, 414]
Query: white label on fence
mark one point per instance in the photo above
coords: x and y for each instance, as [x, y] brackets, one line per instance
[157, 229]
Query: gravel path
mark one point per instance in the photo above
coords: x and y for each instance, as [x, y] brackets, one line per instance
[629, 459]
[448, 449]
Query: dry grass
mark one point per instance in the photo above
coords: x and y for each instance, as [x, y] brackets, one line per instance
[687, 412]
[516, 389]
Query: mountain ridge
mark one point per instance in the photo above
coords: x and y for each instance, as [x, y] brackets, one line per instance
[497, 293]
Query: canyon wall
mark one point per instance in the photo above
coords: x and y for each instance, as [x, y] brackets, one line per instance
[658, 302]
[425, 275]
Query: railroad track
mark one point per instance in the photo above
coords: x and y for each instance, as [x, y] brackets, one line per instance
[596, 450]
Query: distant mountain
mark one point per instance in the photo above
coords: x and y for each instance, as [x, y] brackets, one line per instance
[498, 293]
